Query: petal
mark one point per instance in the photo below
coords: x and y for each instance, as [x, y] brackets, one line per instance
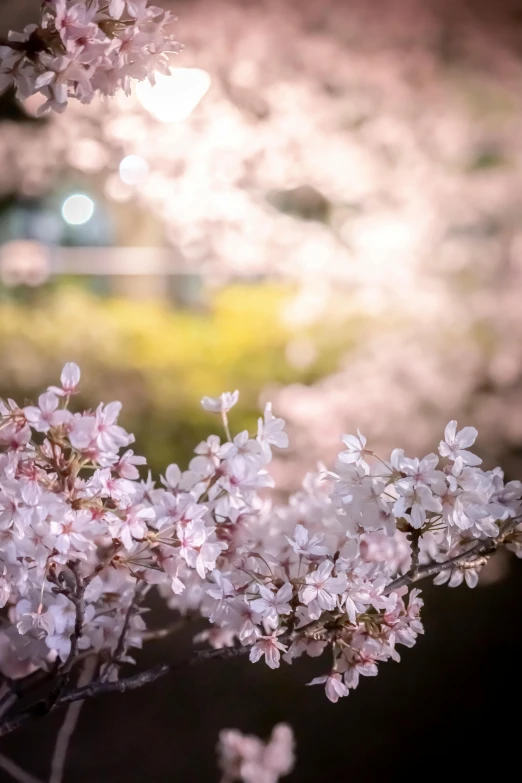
[469, 458]
[449, 432]
[467, 437]
[70, 377]
[44, 79]
[284, 593]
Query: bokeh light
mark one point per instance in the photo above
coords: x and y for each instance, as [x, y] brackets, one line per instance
[174, 97]
[77, 209]
[133, 169]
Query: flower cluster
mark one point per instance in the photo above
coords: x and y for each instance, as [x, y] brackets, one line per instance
[324, 571]
[80, 49]
[83, 540]
[249, 759]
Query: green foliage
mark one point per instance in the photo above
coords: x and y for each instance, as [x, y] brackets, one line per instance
[159, 361]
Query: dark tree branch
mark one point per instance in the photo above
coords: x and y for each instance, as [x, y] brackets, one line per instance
[414, 536]
[7, 702]
[77, 596]
[474, 554]
[18, 46]
[121, 647]
[99, 688]
[69, 724]
[16, 772]
[168, 630]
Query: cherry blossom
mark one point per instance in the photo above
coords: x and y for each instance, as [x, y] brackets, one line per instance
[42, 417]
[270, 432]
[273, 604]
[334, 686]
[355, 448]
[304, 544]
[84, 541]
[270, 647]
[222, 404]
[246, 758]
[83, 48]
[321, 587]
[414, 503]
[455, 444]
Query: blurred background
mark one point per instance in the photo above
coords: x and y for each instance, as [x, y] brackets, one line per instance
[323, 207]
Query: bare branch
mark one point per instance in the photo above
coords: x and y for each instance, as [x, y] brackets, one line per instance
[473, 554]
[414, 536]
[8, 694]
[77, 596]
[98, 688]
[18, 46]
[16, 772]
[7, 702]
[131, 611]
[169, 630]
[477, 563]
[121, 647]
[69, 724]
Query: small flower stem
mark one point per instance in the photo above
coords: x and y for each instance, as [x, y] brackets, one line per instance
[226, 427]
[122, 641]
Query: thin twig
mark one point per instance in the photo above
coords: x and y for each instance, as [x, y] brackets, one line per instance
[474, 553]
[8, 694]
[169, 630]
[19, 46]
[121, 647]
[77, 596]
[469, 564]
[16, 772]
[131, 611]
[415, 536]
[98, 688]
[7, 702]
[69, 724]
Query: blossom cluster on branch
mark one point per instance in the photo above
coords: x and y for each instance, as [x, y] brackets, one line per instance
[83, 541]
[80, 49]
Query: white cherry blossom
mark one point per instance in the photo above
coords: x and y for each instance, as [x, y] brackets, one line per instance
[321, 587]
[355, 448]
[334, 686]
[270, 648]
[78, 528]
[222, 404]
[272, 604]
[455, 444]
